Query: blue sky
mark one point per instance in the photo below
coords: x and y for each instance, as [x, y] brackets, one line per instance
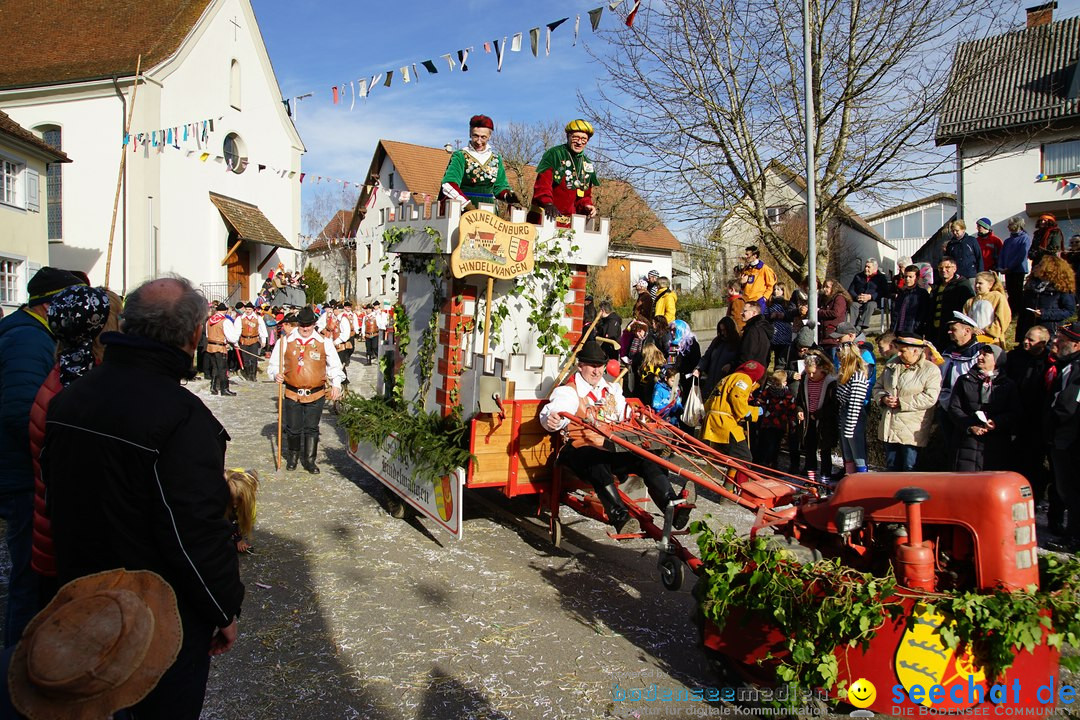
[315, 44]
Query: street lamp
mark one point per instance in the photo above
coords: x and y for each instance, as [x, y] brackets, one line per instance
[811, 175]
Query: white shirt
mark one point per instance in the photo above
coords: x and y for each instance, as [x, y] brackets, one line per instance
[382, 319]
[231, 328]
[239, 323]
[335, 374]
[344, 333]
[565, 399]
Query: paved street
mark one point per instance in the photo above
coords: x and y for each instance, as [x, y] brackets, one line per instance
[350, 613]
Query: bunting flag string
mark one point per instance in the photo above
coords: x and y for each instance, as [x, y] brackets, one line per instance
[1059, 182]
[364, 87]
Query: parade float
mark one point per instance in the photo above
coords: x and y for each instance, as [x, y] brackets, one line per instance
[923, 586]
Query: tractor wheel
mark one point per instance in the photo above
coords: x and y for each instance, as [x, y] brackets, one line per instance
[671, 572]
[556, 531]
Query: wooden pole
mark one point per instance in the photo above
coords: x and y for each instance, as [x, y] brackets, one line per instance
[120, 174]
[280, 395]
[573, 356]
[487, 314]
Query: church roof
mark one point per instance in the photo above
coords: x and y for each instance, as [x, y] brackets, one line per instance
[62, 41]
[12, 129]
[420, 169]
[249, 222]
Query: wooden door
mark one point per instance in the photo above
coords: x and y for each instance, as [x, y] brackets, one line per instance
[238, 273]
[613, 281]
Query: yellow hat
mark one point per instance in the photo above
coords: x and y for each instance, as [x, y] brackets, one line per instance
[579, 125]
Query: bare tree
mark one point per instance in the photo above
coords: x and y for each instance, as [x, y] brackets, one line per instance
[710, 92]
[521, 146]
[326, 216]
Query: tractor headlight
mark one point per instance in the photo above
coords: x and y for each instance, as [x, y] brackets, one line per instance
[849, 519]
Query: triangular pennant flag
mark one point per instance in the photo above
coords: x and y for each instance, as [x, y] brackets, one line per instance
[334, 90]
[534, 40]
[416, 73]
[203, 157]
[594, 17]
[515, 43]
[302, 176]
[405, 74]
[499, 50]
[463, 57]
[614, 4]
[633, 14]
[361, 89]
[386, 83]
[352, 90]
[430, 67]
[487, 47]
[261, 167]
[551, 28]
[577, 26]
[449, 61]
[375, 80]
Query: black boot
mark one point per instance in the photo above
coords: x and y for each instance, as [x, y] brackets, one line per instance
[225, 386]
[618, 515]
[292, 452]
[214, 385]
[311, 447]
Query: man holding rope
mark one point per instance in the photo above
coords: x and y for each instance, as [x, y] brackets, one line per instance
[594, 399]
[304, 362]
[253, 336]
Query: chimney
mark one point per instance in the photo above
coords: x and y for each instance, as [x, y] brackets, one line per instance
[1041, 14]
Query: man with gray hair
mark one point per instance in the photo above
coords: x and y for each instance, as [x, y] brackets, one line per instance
[868, 289]
[134, 466]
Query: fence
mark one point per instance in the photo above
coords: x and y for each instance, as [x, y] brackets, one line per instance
[219, 292]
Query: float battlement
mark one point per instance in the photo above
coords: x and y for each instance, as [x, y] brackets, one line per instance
[590, 236]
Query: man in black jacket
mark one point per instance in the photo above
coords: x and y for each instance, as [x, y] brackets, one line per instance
[1063, 426]
[134, 468]
[757, 335]
[867, 289]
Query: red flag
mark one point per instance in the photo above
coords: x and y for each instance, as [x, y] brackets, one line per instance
[335, 89]
[633, 13]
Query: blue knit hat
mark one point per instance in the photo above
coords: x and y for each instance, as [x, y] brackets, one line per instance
[984, 223]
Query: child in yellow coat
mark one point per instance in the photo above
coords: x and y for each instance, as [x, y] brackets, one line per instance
[729, 406]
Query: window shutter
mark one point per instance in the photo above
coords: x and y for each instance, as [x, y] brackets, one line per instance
[33, 202]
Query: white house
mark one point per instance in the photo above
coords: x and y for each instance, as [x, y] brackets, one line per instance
[851, 238]
[1013, 120]
[407, 173]
[210, 187]
[26, 161]
[914, 226]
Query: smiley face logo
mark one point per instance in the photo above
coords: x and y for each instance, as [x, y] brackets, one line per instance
[862, 693]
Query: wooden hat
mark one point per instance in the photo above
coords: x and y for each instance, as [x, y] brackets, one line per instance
[100, 645]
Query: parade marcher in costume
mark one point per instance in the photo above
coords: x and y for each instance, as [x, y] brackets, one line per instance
[305, 362]
[565, 177]
[475, 173]
[592, 397]
[253, 336]
[343, 342]
[218, 331]
[371, 333]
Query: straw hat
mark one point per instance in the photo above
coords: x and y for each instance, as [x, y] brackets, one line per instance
[101, 645]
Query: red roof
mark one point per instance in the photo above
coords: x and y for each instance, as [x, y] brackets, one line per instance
[337, 228]
[14, 130]
[60, 41]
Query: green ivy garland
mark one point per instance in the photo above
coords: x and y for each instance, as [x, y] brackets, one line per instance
[544, 289]
[822, 605]
[431, 444]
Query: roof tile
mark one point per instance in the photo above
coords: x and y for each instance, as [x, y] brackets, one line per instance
[89, 39]
[13, 129]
